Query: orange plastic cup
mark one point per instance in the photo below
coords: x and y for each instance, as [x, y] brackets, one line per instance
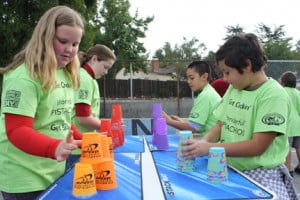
[117, 125]
[105, 175]
[91, 148]
[105, 126]
[83, 180]
[110, 145]
[105, 147]
[116, 133]
[116, 113]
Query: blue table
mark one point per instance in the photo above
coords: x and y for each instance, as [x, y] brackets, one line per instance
[134, 175]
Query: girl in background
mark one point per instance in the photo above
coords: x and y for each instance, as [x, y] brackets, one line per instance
[95, 63]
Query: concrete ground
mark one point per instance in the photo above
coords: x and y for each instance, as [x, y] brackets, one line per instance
[296, 176]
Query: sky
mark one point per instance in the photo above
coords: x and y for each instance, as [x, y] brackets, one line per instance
[206, 19]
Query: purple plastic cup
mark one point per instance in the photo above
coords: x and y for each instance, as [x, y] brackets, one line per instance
[161, 134]
[153, 131]
[156, 111]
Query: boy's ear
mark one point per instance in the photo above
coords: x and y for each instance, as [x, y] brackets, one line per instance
[248, 67]
[205, 75]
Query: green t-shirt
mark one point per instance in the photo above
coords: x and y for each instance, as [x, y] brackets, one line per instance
[88, 93]
[52, 112]
[294, 96]
[202, 110]
[243, 113]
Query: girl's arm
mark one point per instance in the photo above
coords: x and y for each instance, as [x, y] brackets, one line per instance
[84, 116]
[21, 134]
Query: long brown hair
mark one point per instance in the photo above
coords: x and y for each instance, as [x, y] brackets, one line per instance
[102, 52]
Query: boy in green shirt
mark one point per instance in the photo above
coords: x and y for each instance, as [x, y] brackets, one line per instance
[201, 117]
[253, 118]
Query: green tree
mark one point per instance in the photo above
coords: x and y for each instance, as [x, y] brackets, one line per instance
[18, 19]
[233, 30]
[121, 32]
[276, 45]
[180, 55]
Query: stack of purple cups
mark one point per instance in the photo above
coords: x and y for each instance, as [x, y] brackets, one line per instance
[159, 128]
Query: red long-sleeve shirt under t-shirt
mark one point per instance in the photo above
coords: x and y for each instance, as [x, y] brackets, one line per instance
[83, 109]
[36, 143]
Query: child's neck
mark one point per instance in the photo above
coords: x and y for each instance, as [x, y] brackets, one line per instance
[257, 80]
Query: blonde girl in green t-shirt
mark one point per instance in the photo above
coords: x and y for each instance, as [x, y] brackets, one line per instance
[253, 118]
[36, 135]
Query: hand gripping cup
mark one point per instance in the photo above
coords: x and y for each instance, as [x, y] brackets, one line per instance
[184, 165]
[105, 175]
[91, 148]
[83, 180]
[217, 165]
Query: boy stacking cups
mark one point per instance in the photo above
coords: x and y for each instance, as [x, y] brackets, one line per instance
[254, 118]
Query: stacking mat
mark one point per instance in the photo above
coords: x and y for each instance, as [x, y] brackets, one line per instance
[128, 172]
[195, 186]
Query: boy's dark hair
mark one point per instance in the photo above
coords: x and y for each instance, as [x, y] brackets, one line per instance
[288, 79]
[200, 67]
[238, 49]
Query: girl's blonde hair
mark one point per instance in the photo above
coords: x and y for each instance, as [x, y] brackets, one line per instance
[102, 52]
[39, 56]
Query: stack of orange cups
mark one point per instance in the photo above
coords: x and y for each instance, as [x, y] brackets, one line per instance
[104, 171]
[95, 171]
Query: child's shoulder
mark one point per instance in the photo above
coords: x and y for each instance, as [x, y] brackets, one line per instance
[271, 89]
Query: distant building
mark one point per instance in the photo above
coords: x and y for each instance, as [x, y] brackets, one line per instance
[154, 73]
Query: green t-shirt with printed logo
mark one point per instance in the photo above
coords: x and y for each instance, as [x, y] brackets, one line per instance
[243, 113]
[52, 112]
[294, 95]
[202, 110]
[88, 93]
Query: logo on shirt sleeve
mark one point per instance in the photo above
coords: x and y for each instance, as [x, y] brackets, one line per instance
[12, 98]
[194, 115]
[83, 94]
[273, 119]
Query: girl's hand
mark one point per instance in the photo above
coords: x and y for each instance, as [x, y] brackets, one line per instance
[194, 148]
[65, 147]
